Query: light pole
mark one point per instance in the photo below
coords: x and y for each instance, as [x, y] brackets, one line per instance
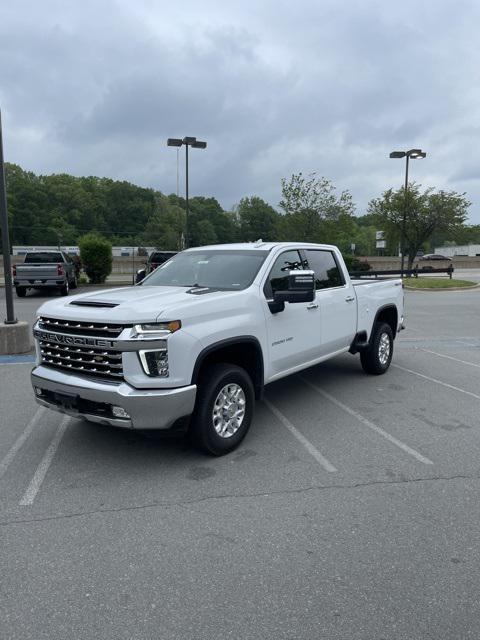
[412, 153]
[7, 269]
[188, 141]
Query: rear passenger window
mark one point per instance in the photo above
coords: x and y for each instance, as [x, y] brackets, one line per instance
[278, 278]
[327, 271]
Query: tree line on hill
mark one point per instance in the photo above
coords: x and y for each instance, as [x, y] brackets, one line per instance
[60, 209]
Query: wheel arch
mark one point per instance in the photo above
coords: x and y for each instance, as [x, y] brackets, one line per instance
[388, 314]
[244, 351]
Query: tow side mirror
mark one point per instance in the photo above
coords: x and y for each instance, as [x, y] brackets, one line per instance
[301, 288]
[141, 273]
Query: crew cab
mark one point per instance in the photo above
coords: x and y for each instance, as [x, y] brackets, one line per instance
[45, 269]
[198, 339]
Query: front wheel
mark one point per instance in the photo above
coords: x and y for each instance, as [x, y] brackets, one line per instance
[224, 409]
[377, 358]
[65, 289]
[74, 282]
[21, 292]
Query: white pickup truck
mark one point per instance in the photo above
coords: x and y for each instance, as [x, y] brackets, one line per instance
[194, 344]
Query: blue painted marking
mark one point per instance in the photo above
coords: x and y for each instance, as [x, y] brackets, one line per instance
[17, 359]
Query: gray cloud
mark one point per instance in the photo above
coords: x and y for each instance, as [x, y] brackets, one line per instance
[274, 87]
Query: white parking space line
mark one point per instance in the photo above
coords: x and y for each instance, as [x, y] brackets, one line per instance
[443, 384]
[17, 445]
[42, 469]
[398, 443]
[443, 355]
[313, 451]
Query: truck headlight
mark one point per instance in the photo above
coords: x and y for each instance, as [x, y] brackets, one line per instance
[155, 361]
[159, 328]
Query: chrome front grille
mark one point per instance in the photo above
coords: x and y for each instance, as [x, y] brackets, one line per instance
[97, 329]
[90, 360]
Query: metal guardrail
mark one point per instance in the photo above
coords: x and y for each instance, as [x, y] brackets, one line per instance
[398, 272]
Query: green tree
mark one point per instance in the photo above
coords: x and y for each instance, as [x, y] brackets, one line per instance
[96, 257]
[426, 212]
[165, 228]
[202, 232]
[209, 209]
[257, 219]
[314, 212]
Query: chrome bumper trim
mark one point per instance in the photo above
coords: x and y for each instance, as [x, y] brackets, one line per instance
[147, 408]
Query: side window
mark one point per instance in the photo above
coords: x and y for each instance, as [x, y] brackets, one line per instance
[278, 277]
[327, 271]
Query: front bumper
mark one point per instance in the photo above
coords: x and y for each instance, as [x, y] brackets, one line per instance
[93, 400]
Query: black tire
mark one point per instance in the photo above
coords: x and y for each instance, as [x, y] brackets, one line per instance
[65, 289]
[373, 359]
[21, 292]
[202, 426]
[74, 283]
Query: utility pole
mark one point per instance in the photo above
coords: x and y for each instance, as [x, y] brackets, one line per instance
[7, 265]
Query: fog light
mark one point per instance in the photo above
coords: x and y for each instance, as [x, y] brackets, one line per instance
[155, 362]
[119, 412]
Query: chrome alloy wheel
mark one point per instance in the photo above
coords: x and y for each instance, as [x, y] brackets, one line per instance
[384, 349]
[229, 410]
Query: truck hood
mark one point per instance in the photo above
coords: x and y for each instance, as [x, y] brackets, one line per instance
[131, 305]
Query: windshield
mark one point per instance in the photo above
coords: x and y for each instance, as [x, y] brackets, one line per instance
[228, 270]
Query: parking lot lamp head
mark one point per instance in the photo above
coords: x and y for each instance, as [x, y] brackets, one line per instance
[416, 153]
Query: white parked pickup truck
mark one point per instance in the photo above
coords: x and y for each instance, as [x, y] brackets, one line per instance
[194, 344]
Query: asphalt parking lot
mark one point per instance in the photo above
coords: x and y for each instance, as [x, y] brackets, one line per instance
[350, 510]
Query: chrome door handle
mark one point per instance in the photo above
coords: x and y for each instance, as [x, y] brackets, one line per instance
[312, 305]
[349, 299]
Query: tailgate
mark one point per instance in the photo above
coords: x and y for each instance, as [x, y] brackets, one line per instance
[37, 272]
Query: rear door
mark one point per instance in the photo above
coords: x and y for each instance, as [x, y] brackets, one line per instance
[336, 299]
[294, 333]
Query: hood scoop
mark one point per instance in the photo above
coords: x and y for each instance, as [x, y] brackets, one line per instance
[94, 303]
[199, 291]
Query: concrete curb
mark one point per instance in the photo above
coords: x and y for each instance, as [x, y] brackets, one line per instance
[475, 286]
[14, 338]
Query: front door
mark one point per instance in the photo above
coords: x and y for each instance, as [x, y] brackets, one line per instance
[294, 333]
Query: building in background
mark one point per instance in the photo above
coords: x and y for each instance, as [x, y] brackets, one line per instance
[72, 251]
[459, 250]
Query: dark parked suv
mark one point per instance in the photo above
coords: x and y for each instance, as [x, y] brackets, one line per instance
[155, 259]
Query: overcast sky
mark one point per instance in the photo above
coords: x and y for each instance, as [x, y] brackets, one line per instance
[274, 87]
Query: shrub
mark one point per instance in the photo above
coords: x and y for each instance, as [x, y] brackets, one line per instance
[96, 256]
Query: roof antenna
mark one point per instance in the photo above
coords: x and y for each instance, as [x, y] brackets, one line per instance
[258, 242]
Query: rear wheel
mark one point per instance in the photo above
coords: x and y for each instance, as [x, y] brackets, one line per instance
[224, 409]
[21, 292]
[377, 358]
